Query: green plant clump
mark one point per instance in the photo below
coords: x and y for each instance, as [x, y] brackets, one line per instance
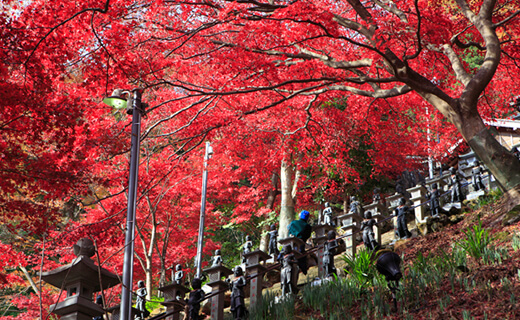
[361, 267]
[476, 242]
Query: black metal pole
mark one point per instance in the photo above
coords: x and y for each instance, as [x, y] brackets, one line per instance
[128, 262]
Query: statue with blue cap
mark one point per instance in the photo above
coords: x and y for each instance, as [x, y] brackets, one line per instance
[301, 229]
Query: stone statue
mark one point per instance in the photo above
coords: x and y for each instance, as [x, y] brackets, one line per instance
[367, 227]
[216, 260]
[434, 198]
[238, 306]
[516, 152]
[99, 302]
[328, 254]
[476, 177]
[327, 215]
[376, 198]
[140, 302]
[355, 206]
[179, 274]
[248, 247]
[456, 187]
[288, 268]
[400, 212]
[195, 298]
[273, 241]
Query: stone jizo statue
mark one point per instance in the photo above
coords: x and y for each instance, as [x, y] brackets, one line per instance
[456, 186]
[140, 303]
[328, 254]
[288, 268]
[327, 215]
[248, 247]
[194, 300]
[401, 211]
[434, 197]
[179, 274]
[273, 241]
[367, 227]
[238, 306]
[216, 260]
[476, 177]
[355, 206]
[376, 198]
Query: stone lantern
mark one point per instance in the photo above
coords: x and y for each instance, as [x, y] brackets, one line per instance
[80, 280]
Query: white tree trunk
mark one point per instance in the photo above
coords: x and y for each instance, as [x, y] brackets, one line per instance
[287, 203]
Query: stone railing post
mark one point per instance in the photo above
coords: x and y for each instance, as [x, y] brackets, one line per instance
[349, 224]
[419, 196]
[217, 285]
[320, 237]
[174, 300]
[256, 270]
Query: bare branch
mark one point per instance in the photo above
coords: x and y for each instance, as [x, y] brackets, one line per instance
[104, 10]
[417, 34]
[498, 24]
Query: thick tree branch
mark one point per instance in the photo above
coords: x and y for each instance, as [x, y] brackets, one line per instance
[331, 62]
[391, 7]
[381, 93]
[456, 64]
[352, 25]
[486, 10]
[486, 72]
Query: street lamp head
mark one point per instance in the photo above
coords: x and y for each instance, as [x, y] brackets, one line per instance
[389, 265]
[117, 99]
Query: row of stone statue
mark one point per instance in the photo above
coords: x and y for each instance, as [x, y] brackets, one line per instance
[294, 259]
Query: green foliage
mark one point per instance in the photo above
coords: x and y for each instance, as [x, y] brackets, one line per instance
[361, 268]
[476, 241]
[491, 197]
[268, 309]
[515, 242]
[154, 303]
[334, 299]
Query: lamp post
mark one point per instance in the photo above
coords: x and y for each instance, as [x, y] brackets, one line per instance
[136, 109]
[207, 156]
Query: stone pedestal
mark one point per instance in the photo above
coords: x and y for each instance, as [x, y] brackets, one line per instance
[296, 244]
[172, 304]
[418, 197]
[350, 239]
[256, 271]
[376, 208]
[80, 279]
[217, 284]
[349, 224]
[320, 232]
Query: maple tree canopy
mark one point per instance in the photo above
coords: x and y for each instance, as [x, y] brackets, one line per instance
[341, 91]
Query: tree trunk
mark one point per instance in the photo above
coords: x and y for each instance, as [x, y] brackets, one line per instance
[502, 164]
[287, 204]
